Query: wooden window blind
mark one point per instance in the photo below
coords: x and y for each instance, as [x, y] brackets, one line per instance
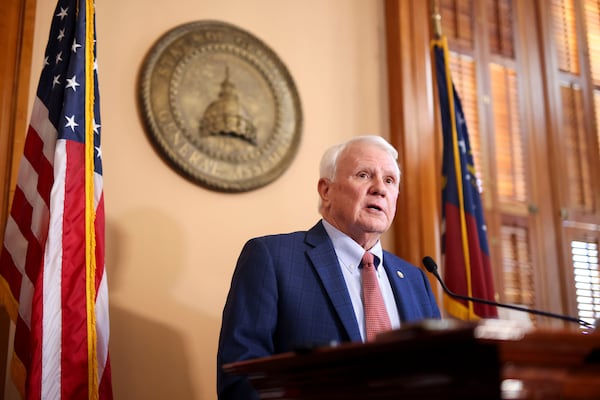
[576, 32]
[579, 195]
[500, 30]
[597, 108]
[457, 22]
[509, 179]
[592, 22]
[510, 167]
[517, 268]
[504, 152]
[565, 35]
[534, 152]
[586, 272]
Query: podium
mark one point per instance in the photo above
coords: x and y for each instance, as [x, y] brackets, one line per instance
[437, 360]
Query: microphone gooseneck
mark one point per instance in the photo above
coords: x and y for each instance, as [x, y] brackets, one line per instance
[432, 267]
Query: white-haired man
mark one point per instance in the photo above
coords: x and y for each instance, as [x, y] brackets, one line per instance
[305, 288]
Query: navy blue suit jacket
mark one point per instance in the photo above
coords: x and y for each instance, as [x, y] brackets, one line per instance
[288, 292]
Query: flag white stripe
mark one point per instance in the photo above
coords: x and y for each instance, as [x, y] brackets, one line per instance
[102, 324]
[16, 244]
[98, 188]
[28, 179]
[44, 128]
[52, 296]
[26, 299]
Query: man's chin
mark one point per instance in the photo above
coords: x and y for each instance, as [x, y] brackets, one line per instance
[377, 227]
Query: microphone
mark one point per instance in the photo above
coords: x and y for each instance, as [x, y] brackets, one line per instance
[432, 267]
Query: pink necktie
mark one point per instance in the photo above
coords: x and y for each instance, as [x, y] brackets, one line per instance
[376, 316]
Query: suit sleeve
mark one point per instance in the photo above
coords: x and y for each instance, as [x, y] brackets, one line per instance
[249, 318]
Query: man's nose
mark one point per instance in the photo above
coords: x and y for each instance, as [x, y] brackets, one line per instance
[378, 186]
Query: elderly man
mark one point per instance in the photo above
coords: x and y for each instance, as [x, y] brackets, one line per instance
[333, 283]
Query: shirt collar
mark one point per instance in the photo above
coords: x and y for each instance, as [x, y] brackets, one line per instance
[348, 251]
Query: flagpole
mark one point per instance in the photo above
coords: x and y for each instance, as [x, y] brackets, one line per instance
[436, 19]
[93, 393]
[441, 41]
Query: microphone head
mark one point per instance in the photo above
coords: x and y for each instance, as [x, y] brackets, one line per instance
[430, 265]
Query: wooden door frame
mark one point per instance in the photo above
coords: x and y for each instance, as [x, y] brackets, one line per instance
[17, 21]
[414, 130]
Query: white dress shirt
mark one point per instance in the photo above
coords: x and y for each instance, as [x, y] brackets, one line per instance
[349, 254]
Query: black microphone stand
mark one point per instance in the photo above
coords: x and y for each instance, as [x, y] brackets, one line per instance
[431, 266]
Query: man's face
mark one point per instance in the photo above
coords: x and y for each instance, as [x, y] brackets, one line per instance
[361, 200]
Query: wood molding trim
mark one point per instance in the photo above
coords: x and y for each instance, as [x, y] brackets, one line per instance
[413, 128]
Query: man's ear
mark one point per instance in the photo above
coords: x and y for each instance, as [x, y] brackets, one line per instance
[323, 188]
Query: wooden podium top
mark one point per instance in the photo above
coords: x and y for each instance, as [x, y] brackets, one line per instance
[440, 359]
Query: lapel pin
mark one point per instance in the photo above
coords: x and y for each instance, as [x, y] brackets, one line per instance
[400, 274]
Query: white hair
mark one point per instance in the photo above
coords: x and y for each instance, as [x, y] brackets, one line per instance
[330, 158]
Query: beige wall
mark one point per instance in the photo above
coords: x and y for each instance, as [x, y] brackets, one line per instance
[166, 290]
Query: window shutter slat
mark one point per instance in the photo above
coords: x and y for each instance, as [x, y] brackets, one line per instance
[579, 195]
[586, 272]
[500, 30]
[517, 268]
[508, 137]
[565, 34]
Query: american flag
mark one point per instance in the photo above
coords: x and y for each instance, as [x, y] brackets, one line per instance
[52, 273]
[466, 259]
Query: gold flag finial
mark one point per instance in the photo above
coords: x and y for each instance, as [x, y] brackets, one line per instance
[436, 18]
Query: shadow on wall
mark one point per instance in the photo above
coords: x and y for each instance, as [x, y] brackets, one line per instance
[149, 358]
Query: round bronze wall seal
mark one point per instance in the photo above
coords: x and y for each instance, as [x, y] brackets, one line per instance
[220, 106]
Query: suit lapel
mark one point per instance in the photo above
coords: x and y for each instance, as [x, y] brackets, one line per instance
[324, 260]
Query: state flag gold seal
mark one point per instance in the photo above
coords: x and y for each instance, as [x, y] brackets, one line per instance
[220, 106]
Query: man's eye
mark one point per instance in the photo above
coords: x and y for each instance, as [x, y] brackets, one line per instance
[363, 175]
[390, 180]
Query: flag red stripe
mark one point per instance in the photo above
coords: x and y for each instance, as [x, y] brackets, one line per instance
[33, 152]
[22, 347]
[457, 280]
[12, 275]
[105, 387]
[35, 367]
[74, 328]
